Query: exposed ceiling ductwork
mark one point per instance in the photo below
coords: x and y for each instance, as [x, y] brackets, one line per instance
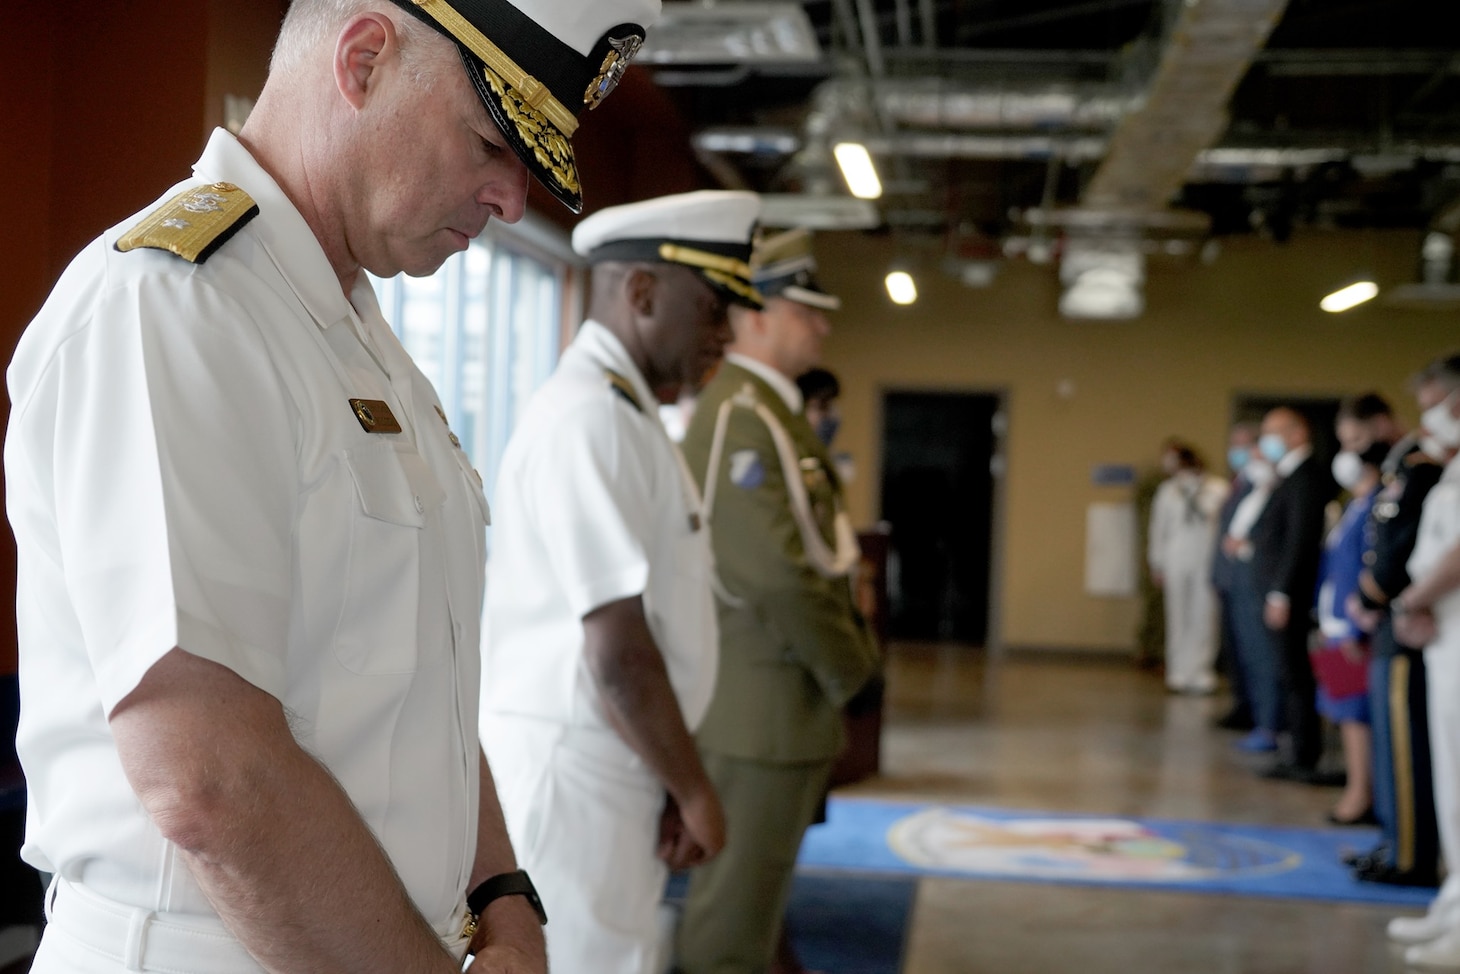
[1086, 120]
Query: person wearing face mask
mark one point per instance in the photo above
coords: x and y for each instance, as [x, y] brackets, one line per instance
[1408, 850]
[1241, 442]
[1340, 660]
[1245, 600]
[1287, 543]
[1182, 534]
[1427, 613]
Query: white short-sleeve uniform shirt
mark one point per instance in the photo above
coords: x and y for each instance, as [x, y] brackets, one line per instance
[594, 505]
[1439, 531]
[184, 469]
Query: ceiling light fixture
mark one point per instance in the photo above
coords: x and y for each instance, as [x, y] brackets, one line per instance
[858, 170]
[901, 287]
[1348, 297]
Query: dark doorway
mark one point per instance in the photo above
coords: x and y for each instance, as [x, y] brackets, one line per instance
[938, 497]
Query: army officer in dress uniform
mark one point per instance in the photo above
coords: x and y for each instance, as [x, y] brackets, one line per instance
[600, 637]
[793, 649]
[1403, 788]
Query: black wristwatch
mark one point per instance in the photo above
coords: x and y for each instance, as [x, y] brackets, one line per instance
[507, 884]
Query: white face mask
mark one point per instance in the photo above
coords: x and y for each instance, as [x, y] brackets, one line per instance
[1347, 469]
[1433, 449]
[1260, 473]
[1441, 424]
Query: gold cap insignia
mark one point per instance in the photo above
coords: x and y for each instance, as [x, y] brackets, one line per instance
[611, 71]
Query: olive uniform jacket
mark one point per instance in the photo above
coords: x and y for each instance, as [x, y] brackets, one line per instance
[793, 647]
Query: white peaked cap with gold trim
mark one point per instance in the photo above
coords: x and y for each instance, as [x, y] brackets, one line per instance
[538, 65]
[709, 230]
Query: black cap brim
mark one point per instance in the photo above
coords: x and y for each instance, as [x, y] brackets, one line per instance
[545, 151]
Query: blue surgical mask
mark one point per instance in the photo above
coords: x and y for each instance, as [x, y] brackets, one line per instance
[1272, 447]
[1237, 457]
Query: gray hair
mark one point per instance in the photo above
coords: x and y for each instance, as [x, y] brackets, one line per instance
[1443, 371]
[311, 24]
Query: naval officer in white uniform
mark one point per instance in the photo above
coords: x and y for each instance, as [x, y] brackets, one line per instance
[600, 641]
[250, 550]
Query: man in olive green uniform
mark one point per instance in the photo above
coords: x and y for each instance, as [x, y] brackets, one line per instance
[793, 648]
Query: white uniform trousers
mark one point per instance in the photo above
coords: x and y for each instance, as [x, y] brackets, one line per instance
[583, 815]
[1442, 676]
[1191, 627]
[89, 934]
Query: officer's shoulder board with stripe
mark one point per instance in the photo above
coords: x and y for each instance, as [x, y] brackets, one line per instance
[194, 223]
[624, 389]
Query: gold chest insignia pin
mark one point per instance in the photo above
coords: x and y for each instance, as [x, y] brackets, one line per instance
[611, 71]
[374, 416]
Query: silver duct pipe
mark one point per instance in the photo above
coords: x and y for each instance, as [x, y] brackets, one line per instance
[938, 145]
[936, 103]
[1221, 164]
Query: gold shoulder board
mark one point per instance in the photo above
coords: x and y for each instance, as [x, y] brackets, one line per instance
[624, 388]
[194, 223]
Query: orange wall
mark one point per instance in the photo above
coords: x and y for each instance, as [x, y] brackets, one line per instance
[95, 128]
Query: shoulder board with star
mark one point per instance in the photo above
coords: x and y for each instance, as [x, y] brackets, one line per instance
[194, 223]
[624, 389]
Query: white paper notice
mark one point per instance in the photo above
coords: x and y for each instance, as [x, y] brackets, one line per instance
[1110, 550]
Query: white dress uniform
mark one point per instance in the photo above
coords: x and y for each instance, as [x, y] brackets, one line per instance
[595, 506]
[1439, 532]
[1183, 530]
[185, 468]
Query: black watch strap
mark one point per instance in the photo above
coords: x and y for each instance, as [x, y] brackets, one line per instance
[507, 884]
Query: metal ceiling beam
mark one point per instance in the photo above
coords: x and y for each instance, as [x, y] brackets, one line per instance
[928, 14]
[1047, 17]
[1324, 62]
[1152, 149]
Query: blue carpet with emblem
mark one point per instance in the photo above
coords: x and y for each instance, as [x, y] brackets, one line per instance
[843, 923]
[1200, 857]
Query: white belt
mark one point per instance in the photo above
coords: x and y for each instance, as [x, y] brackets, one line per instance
[144, 940]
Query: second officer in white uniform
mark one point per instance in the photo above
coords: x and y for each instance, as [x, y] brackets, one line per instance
[599, 648]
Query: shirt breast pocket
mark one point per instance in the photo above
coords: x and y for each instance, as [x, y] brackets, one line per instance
[377, 631]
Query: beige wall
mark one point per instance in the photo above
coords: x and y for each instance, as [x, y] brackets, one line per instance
[1249, 322]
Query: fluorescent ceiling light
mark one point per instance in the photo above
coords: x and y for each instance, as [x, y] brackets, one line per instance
[901, 288]
[1103, 293]
[857, 170]
[1348, 297]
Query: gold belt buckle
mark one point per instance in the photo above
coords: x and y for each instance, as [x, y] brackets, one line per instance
[469, 925]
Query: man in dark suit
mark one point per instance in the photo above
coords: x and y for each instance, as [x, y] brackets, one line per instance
[1287, 542]
[1241, 444]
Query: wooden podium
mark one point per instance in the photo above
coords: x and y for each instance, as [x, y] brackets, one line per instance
[863, 717]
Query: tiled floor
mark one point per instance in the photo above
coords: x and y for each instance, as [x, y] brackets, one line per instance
[1091, 735]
